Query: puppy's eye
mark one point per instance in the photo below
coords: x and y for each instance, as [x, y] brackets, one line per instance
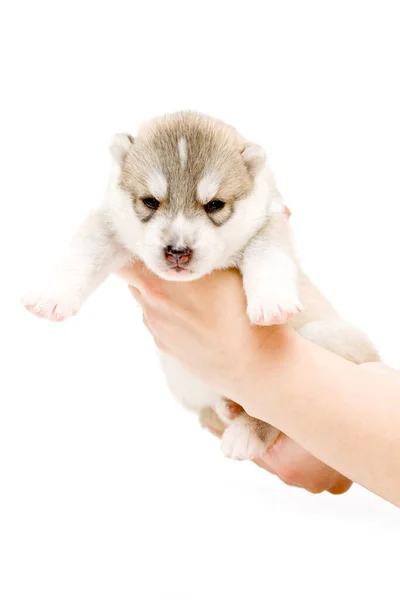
[151, 203]
[214, 206]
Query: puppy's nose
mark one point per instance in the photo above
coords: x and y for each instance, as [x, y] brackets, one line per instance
[178, 256]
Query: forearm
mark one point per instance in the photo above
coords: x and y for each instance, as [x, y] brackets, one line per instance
[346, 415]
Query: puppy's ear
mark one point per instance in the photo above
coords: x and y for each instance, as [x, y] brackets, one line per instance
[120, 144]
[254, 157]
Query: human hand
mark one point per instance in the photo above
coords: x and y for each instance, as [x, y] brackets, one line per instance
[295, 466]
[204, 325]
[291, 463]
[218, 346]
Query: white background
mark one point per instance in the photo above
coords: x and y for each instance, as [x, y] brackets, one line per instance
[109, 490]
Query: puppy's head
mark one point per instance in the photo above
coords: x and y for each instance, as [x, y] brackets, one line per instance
[188, 194]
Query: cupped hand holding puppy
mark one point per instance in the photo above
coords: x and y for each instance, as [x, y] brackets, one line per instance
[346, 415]
[207, 314]
[204, 325]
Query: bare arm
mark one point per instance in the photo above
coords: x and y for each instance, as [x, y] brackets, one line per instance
[346, 415]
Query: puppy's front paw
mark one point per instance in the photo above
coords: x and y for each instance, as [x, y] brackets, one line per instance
[43, 306]
[273, 304]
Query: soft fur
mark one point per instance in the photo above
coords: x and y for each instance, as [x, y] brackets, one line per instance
[180, 164]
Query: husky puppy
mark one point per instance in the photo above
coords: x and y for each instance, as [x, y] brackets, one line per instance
[189, 195]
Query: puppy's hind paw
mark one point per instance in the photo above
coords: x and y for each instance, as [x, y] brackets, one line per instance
[247, 438]
[240, 442]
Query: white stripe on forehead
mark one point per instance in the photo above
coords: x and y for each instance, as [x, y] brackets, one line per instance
[208, 186]
[179, 228]
[158, 184]
[183, 152]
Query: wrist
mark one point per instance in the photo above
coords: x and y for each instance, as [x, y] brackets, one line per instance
[268, 374]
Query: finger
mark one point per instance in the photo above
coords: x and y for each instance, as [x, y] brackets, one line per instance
[146, 320]
[140, 277]
[161, 346]
[144, 293]
[296, 466]
[136, 293]
[146, 323]
[263, 465]
[341, 487]
[133, 272]
[139, 297]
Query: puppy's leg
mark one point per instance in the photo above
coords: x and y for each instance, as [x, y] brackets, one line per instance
[93, 254]
[209, 420]
[270, 274]
[341, 338]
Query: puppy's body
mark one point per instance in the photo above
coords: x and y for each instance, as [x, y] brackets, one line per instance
[189, 195]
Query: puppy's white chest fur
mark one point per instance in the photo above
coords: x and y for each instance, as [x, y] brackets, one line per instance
[189, 390]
